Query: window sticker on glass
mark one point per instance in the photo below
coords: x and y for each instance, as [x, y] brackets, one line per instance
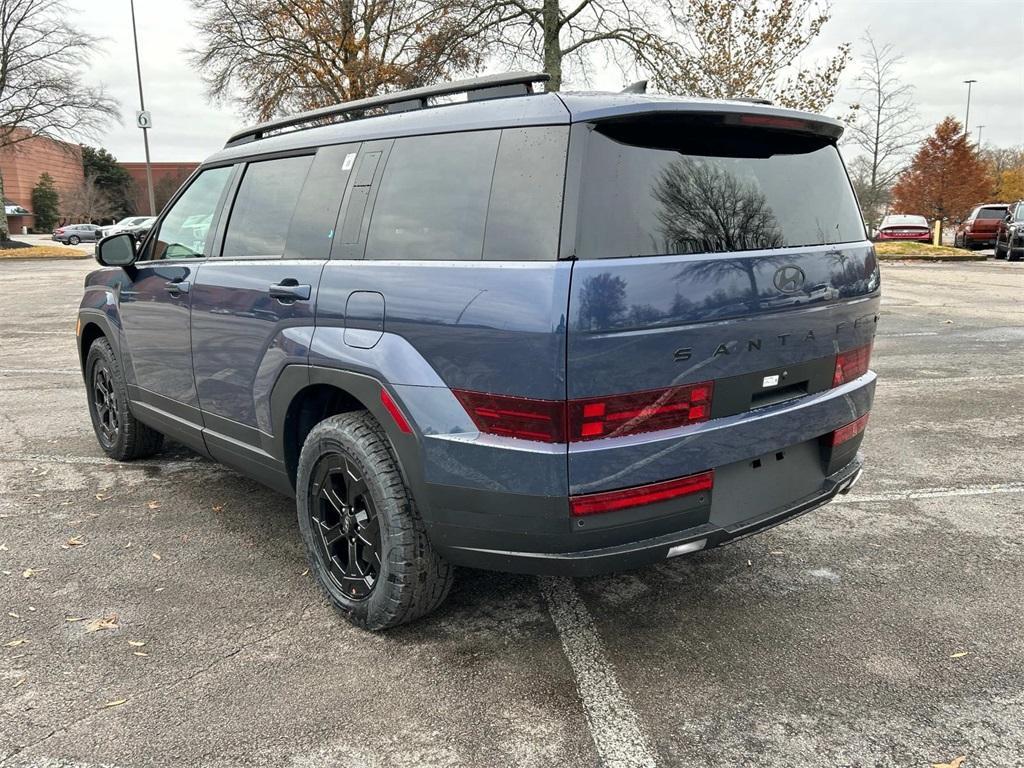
[349, 161]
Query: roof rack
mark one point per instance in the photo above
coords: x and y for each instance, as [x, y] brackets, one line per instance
[751, 100]
[475, 88]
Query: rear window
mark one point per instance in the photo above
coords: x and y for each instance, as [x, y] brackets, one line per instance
[991, 213]
[661, 188]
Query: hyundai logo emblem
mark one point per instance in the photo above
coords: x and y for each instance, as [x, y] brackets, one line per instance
[789, 279]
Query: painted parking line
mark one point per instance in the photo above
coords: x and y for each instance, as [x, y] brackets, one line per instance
[614, 725]
[933, 493]
[40, 371]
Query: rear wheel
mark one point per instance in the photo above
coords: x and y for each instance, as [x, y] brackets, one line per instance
[120, 435]
[74, 240]
[365, 541]
[1011, 256]
[999, 252]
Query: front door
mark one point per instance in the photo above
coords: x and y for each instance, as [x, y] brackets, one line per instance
[154, 308]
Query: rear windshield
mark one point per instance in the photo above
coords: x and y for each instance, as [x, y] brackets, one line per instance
[991, 213]
[652, 189]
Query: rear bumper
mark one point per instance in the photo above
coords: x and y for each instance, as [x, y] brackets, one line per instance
[636, 554]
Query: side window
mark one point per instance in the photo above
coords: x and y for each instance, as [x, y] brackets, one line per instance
[264, 207]
[185, 229]
[432, 202]
[525, 209]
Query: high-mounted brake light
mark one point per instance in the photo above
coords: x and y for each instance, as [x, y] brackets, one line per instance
[850, 431]
[556, 421]
[851, 364]
[611, 501]
[774, 121]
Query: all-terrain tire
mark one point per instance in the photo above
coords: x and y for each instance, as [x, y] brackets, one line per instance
[350, 455]
[120, 435]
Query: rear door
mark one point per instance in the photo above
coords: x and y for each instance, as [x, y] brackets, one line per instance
[728, 256]
[253, 305]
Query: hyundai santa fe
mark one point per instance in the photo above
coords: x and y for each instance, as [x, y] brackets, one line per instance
[527, 331]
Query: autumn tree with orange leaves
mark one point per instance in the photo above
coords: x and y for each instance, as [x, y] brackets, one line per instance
[946, 178]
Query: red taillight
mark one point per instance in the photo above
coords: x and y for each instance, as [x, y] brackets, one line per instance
[396, 413]
[851, 365]
[555, 421]
[638, 412]
[610, 501]
[848, 432]
[520, 417]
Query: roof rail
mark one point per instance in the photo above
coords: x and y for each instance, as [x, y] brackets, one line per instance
[751, 100]
[475, 88]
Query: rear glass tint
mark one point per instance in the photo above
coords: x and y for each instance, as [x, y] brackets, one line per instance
[991, 213]
[655, 189]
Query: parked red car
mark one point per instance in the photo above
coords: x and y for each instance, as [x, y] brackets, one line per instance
[903, 227]
[978, 229]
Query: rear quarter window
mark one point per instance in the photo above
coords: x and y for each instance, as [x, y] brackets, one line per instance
[705, 190]
[991, 213]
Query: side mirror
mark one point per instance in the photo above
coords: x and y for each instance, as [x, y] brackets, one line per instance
[116, 251]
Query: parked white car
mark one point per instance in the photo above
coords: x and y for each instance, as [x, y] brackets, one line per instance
[124, 225]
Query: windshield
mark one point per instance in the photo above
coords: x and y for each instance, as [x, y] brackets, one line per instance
[991, 213]
[650, 189]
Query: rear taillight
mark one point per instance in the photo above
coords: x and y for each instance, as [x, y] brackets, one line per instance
[850, 431]
[639, 412]
[555, 421]
[521, 417]
[851, 365]
[610, 501]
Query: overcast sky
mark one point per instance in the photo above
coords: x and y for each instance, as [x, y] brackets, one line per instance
[943, 42]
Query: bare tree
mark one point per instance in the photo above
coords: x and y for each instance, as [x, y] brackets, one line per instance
[87, 203]
[746, 48]
[278, 56]
[42, 57]
[885, 130]
[542, 32]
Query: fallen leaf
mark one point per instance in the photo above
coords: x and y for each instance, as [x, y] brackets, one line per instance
[749, 564]
[956, 762]
[136, 643]
[156, 555]
[73, 619]
[104, 622]
[15, 643]
[140, 653]
[218, 507]
[33, 610]
[101, 497]
[115, 703]
[7, 573]
[20, 681]
[3, 547]
[305, 572]
[960, 654]
[13, 615]
[153, 504]
[74, 541]
[777, 552]
[160, 589]
[27, 573]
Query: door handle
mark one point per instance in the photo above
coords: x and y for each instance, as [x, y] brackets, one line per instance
[177, 287]
[290, 290]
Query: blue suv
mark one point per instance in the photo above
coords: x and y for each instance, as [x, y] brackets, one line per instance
[526, 331]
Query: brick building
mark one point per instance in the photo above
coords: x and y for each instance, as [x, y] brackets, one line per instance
[22, 164]
[167, 177]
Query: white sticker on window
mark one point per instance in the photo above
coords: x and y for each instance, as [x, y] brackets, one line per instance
[770, 381]
[350, 160]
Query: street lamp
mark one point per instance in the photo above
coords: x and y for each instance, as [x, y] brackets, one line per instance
[979, 135]
[967, 117]
[142, 117]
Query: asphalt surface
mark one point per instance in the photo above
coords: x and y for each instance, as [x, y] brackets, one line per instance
[884, 630]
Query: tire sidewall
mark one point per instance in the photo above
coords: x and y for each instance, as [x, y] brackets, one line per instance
[73, 241]
[329, 438]
[100, 352]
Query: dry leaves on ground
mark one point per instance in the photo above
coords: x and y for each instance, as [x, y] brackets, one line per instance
[115, 703]
[104, 622]
[153, 504]
[15, 643]
[956, 762]
[74, 541]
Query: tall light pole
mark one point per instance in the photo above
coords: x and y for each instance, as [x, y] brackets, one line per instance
[979, 135]
[967, 117]
[142, 118]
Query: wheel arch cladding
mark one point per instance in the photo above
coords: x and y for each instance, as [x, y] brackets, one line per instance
[91, 331]
[308, 407]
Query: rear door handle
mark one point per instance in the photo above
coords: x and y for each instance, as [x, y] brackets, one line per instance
[290, 290]
[177, 287]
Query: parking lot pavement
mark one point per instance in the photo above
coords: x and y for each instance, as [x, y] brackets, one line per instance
[882, 630]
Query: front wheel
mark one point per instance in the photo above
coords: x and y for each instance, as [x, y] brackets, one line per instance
[120, 435]
[364, 538]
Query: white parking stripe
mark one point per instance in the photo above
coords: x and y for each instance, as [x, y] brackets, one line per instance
[933, 493]
[37, 371]
[614, 724]
[904, 335]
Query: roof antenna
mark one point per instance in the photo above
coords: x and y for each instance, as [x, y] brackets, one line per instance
[640, 86]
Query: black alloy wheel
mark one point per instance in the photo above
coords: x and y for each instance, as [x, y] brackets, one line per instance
[104, 397]
[345, 524]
